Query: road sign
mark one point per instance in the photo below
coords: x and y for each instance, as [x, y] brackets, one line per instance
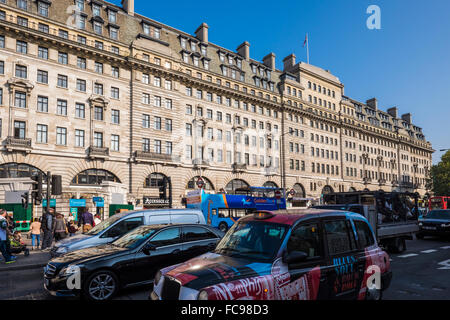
[52, 203]
[200, 183]
[278, 194]
[77, 202]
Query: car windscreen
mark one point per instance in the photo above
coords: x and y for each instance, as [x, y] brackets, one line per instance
[439, 214]
[104, 224]
[257, 240]
[135, 238]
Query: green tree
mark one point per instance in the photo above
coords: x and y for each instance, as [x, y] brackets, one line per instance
[440, 174]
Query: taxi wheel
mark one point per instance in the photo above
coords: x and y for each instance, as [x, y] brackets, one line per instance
[397, 245]
[101, 285]
[374, 295]
[223, 227]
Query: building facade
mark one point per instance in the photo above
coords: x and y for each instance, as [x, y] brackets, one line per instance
[114, 102]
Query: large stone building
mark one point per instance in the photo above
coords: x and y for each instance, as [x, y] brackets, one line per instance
[114, 101]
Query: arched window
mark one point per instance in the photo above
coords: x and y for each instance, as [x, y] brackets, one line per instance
[192, 184]
[299, 191]
[270, 184]
[235, 184]
[94, 177]
[327, 190]
[18, 170]
[154, 180]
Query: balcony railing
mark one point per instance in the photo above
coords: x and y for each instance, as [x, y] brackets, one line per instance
[18, 144]
[239, 166]
[381, 182]
[200, 162]
[97, 152]
[367, 179]
[153, 156]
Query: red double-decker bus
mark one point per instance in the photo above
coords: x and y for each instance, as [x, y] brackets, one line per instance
[439, 203]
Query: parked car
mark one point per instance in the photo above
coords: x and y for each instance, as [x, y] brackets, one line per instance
[435, 223]
[121, 223]
[131, 260]
[309, 254]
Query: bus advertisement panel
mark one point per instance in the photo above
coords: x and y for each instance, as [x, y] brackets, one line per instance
[223, 210]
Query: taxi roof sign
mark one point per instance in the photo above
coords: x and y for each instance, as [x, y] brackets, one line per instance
[261, 215]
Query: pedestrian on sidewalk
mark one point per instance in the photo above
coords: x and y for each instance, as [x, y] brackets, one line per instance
[35, 233]
[86, 220]
[72, 228]
[4, 240]
[97, 219]
[48, 227]
[60, 227]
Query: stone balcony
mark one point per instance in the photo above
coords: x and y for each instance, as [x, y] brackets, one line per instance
[18, 144]
[98, 153]
[147, 156]
[238, 167]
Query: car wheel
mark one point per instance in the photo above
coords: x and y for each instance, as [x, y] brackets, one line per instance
[102, 285]
[223, 227]
[374, 294]
[398, 245]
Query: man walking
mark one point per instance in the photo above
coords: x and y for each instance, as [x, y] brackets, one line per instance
[86, 220]
[4, 237]
[48, 227]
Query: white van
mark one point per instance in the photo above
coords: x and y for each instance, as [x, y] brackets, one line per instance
[121, 223]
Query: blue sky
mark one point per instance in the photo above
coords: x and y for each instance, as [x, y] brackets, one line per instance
[405, 64]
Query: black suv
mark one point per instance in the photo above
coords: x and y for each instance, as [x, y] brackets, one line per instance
[99, 272]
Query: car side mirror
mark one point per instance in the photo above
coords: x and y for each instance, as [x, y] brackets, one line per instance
[148, 247]
[294, 257]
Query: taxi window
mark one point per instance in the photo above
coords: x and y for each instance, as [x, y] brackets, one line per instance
[339, 239]
[365, 237]
[305, 238]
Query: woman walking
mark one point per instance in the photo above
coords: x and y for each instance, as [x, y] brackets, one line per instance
[35, 233]
[60, 227]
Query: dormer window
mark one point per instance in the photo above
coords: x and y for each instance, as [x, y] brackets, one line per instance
[96, 10]
[239, 63]
[183, 43]
[43, 8]
[112, 16]
[233, 73]
[146, 29]
[98, 27]
[269, 74]
[230, 60]
[22, 4]
[193, 46]
[80, 5]
[222, 57]
[156, 33]
[185, 57]
[254, 69]
[203, 50]
[195, 59]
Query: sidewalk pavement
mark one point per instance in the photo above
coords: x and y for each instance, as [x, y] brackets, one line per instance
[36, 259]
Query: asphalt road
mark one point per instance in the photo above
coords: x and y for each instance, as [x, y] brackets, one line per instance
[422, 272]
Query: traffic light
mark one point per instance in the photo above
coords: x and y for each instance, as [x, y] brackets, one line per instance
[56, 185]
[25, 200]
[37, 187]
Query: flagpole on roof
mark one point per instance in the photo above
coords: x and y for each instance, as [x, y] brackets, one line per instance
[307, 48]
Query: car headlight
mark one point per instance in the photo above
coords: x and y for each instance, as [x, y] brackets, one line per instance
[62, 250]
[203, 295]
[69, 270]
[157, 278]
[420, 224]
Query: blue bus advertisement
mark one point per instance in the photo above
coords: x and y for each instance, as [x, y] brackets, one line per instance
[223, 210]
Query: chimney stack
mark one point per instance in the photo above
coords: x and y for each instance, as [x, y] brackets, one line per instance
[407, 117]
[128, 6]
[393, 112]
[372, 103]
[202, 33]
[269, 61]
[244, 50]
[289, 62]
